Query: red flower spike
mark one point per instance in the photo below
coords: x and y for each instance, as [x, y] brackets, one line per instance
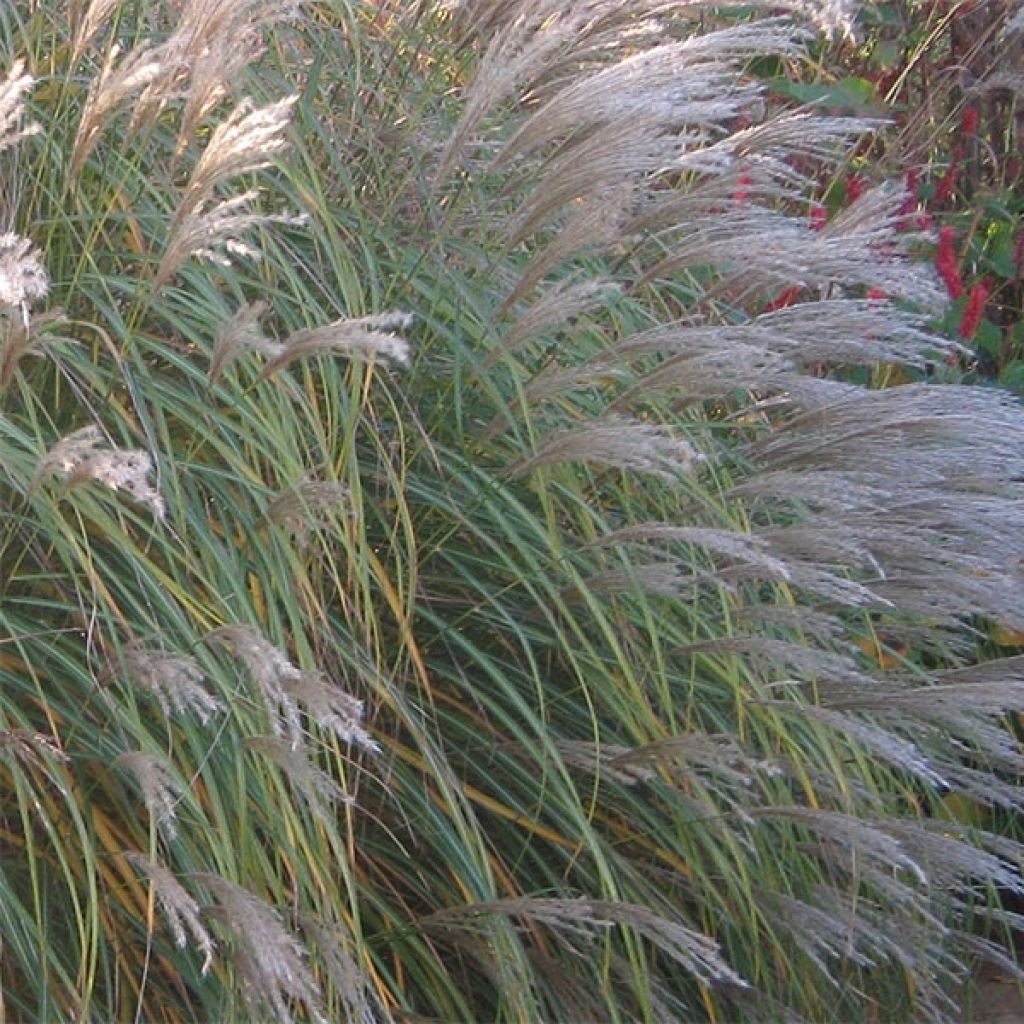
[819, 217]
[969, 121]
[946, 264]
[974, 310]
[876, 295]
[855, 186]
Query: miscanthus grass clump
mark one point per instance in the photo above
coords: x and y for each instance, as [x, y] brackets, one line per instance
[447, 571]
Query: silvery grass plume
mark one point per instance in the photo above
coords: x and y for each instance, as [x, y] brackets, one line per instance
[691, 81]
[269, 958]
[180, 910]
[287, 691]
[13, 89]
[23, 276]
[212, 42]
[175, 680]
[583, 920]
[85, 455]
[366, 337]
[238, 335]
[86, 18]
[619, 442]
[317, 788]
[116, 82]
[247, 140]
[339, 950]
[159, 784]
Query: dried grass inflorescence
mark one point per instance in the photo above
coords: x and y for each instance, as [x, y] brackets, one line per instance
[85, 455]
[13, 89]
[270, 959]
[288, 691]
[366, 337]
[23, 277]
[175, 680]
[181, 911]
[160, 786]
[618, 442]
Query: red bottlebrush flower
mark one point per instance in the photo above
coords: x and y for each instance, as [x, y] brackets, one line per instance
[969, 121]
[946, 264]
[783, 299]
[925, 221]
[973, 311]
[855, 186]
[819, 217]
[876, 295]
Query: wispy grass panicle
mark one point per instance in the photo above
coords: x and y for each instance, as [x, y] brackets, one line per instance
[270, 958]
[23, 276]
[180, 909]
[288, 691]
[242, 333]
[85, 455]
[13, 89]
[175, 680]
[117, 81]
[366, 337]
[692, 951]
[332, 709]
[618, 442]
[270, 669]
[317, 788]
[159, 784]
[665, 703]
[310, 504]
[247, 140]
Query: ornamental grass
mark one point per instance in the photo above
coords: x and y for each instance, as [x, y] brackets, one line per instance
[437, 580]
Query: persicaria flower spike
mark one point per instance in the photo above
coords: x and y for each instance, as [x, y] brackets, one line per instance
[974, 310]
[946, 264]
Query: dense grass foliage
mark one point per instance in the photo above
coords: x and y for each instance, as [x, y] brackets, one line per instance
[439, 579]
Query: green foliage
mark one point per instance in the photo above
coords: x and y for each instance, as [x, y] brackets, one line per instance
[437, 581]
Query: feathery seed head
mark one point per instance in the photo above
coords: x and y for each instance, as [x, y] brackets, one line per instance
[316, 786]
[270, 670]
[83, 455]
[619, 442]
[271, 959]
[242, 333]
[160, 787]
[368, 337]
[173, 679]
[243, 142]
[332, 708]
[181, 911]
[216, 233]
[308, 505]
[13, 88]
[22, 274]
[108, 90]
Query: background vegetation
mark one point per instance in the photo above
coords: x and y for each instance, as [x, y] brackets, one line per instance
[456, 562]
